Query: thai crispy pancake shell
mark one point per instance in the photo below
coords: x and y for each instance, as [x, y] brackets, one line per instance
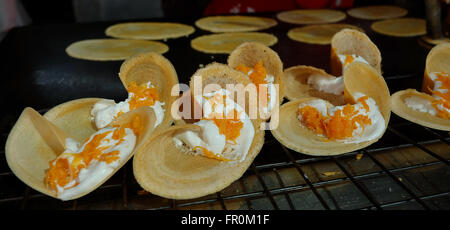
[296, 84]
[155, 68]
[235, 23]
[349, 41]
[401, 27]
[400, 108]
[220, 74]
[318, 34]
[250, 53]
[149, 30]
[227, 42]
[112, 49]
[377, 12]
[28, 154]
[311, 16]
[165, 170]
[438, 60]
[358, 77]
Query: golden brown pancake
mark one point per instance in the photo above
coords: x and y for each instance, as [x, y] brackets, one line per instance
[297, 87]
[112, 49]
[311, 16]
[167, 170]
[238, 23]
[438, 60]
[227, 42]
[400, 108]
[149, 30]
[29, 147]
[400, 27]
[377, 12]
[353, 42]
[153, 67]
[318, 34]
[250, 53]
[358, 78]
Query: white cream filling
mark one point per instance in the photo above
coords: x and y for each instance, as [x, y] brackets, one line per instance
[423, 105]
[105, 111]
[356, 58]
[420, 104]
[334, 85]
[327, 84]
[361, 134]
[96, 171]
[209, 136]
[271, 90]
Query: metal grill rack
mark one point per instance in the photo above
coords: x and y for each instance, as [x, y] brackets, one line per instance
[408, 168]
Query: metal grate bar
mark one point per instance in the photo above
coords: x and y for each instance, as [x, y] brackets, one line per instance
[443, 139]
[172, 204]
[75, 205]
[249, 204]
[313, 189]
[423, 148]
[360, 188]
[280, 181]
[266, 190]
[399, 77]
[437, 195]
[124, 187]
[394, 178]
[222, 204]
[25, 197]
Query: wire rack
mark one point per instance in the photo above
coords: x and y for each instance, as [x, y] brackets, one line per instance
[408, 168]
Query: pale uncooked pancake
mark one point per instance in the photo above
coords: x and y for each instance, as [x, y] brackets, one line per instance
[234, 23]
[311, 16]
[377, 12]
[318, 34]
[227, 42]
[401, 27]
[112, 49]
[149, 30]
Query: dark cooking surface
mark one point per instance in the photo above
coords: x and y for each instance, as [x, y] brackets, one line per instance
[35, 71]
[43, 75]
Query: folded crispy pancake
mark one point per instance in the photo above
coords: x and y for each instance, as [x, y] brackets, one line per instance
[30, 146]
[292, 134]
[348, 42]
[165, 169]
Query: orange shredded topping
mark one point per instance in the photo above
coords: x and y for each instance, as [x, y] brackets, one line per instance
[340, 125]
[61, 172]
[230, 125]
[210, 154]
[258, 77]
[444, 97]
[348, 59]
[142, 95]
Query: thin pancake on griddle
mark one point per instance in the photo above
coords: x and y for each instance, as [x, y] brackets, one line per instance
[149, 30]
[227, 42]
[112, 49]
[233, 23]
